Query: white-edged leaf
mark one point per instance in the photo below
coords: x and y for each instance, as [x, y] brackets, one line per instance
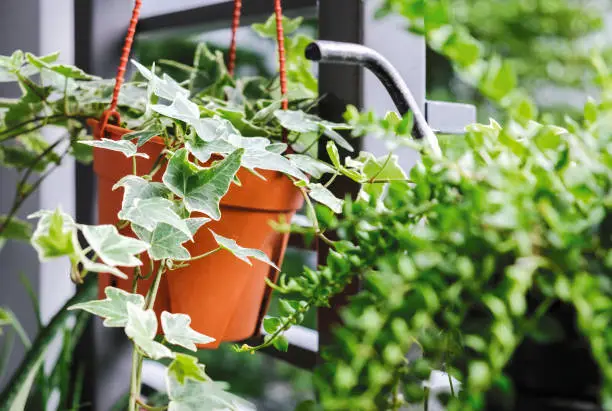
[309, 165]
[201, 188]
[138, 188]
[125, 147]
[177, 331]
[186, 366]
[148, 213]
[55, 235]
[301, 122]
[194, 395]
[113, 248]
[166, 240]
[242, 252]
[322, 195]
[181, 109]
[141, 327]
[96, 267]
[165, 87]
[114, 308]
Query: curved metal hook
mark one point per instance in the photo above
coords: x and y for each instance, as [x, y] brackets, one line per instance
[356, 54]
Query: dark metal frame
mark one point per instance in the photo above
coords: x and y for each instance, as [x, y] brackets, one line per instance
[99, 29]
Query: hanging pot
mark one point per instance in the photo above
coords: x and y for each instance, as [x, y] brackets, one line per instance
[225, 297]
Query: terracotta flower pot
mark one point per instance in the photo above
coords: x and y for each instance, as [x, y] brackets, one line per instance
[225, 297]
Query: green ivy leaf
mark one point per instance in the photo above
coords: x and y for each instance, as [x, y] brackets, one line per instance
[309, 165]
[62, 69]
[195, 395]
[281, 343]
[143, 136]
[165, 87]
[150, 212]
[127, 148]
[268, 29]
[334, 155]
[322, 195]
[15, 229]
[186, 366]
[141, 327]
[166, 240]
[201, 188]
[177, 331]
[55, 235]
[113, 308]
[242, 252]
[113, 248]
[300, 122]
[137, 188]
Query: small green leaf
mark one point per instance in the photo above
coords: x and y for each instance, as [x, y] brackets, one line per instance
[281, 343]
[114, 308]
[177, 331]
[141, 327]
[322, 195]
[334, 155]
[55, 235]
[143, 136]
[201, 188]
[127, 148]
[242, 252]
[15, 229]
[113, 248]
[268, 29]
[186, 366]
[271, 324]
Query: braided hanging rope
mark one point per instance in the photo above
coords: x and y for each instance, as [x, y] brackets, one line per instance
[235, 26]
[119, 78]
[280, 37]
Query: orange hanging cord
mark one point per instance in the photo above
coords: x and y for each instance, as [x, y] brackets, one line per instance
[125, 55]
[235, 26]
[280, 37]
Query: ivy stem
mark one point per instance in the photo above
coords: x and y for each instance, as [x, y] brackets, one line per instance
[150, 407]
[137, 357]
[134, 167]
[206, 254]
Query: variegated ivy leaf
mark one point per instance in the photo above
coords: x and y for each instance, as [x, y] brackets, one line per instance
[113, 308]
[193, 395]
[125, 147]
[310, 165]
[165, 87]
[242, 252]
[62, 69]
[143, 136]
[55, 235]
[138, 188]
[150, 212]
[301, 122]
[177, 331]
[201, 188]
[259, 153]
[166, 240]
[382, 169]
[186, 366]
[113, 248]
[322, 195]
[181, 109]
[141, 327]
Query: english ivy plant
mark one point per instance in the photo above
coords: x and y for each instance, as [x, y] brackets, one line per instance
[211, 126]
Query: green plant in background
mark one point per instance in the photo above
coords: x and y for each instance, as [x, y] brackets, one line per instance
[495, 46]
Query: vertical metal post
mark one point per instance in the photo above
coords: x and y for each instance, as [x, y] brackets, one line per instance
[339, 86]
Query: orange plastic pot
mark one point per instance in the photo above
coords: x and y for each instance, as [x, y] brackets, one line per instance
[224, 296]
